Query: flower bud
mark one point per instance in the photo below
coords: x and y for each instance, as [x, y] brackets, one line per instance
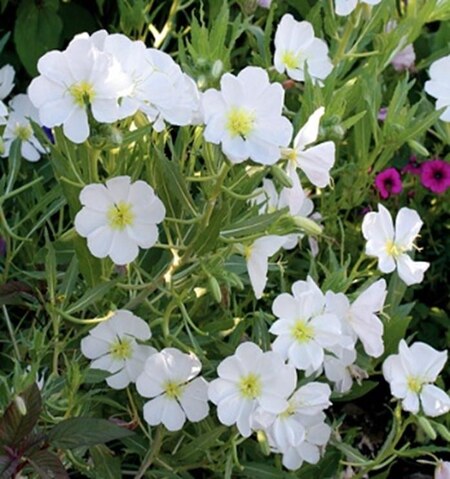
[214, 288]
[427, 428]
[20, 404]
[442, 470]
[217, 69]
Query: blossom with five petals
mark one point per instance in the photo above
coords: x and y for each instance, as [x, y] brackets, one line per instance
[438, 86]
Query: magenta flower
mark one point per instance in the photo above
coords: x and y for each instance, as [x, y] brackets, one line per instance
[413, 167]
[382, 114]
[435, 175]
[388, 182]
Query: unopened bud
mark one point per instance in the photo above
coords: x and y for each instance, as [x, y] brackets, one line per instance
[20, 404]
[418, 148]
[442, 470]
[281, 176]
[427, 428]
[217, 69]
[214, 288]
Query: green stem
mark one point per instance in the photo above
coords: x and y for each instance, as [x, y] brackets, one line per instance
[11, 333]
[153, 452]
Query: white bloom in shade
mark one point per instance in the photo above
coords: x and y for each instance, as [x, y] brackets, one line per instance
[315, 161]
[257, 257]
[285, 430]
[245, 117]
[18, 127]
[3, 113]
[317, 434]
[410, 374]
[345, 7]
[112, 346]
[439, 86]
[338, 368]
[248, 379]
[118, 218]
[74, 80]
[405, 58]
[294, 198]
[304, 329]
[359, 319]
[442, 470]
[390, 245]
[168, 378]
[7, 74]
[297, 49]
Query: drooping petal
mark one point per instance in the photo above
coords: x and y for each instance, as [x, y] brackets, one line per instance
[309, 131]
[435, 401]
[411, 272]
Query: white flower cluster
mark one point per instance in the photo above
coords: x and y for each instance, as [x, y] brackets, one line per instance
[16, 119]
[115, 77]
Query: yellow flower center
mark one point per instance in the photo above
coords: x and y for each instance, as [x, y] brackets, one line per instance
[23, 132]
[302, 331]
[393, 249]
[82, 93]
[289, 59]
[289, 411]
[414, 384]
[247, 251]
[173, 390]
[250, 386]
[240, 122]
[120, 215]
[121, 348]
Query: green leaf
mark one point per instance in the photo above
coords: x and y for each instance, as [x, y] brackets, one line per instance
[20, 416]
[357, 391]
[91, 296]
[85, 431]
[199, 444]
[37, 30]
[47, 465]
[105, 464]
[261, 471]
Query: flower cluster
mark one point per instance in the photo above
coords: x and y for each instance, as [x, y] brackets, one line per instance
[115, 78]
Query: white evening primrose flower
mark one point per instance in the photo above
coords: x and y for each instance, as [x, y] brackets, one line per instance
[285, 430]
[345, 7]
[439, 85]
[304, 329]
[245, 117]
[257, 258]
[411, 374]
[248, 379]
[112, 346]
[390, 245]
[118, 218]
[18, 127]
[359, 319]
[317, 434]
[293, 198]
[80, 78]
[338, 368]
[297, 49]
[168, 378]
[315, 161]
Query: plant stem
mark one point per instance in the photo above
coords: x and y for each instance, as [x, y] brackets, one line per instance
[156, 446]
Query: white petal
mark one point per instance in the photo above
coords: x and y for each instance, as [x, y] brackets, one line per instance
[119, 380]
[411, 402]
[285, 306]
[434, 401]
[99, 242]
[411, 272]
[76, 126]
[310, 130]
[407, 227]
[123, 249]
[316, 163]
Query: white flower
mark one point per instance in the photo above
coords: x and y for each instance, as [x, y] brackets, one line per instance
[257, 257]
[339, 368]
[304, 329]
[390, 245]
[285, 429]
[248, 379]
[410, 374]
[74, 80]
[315, 161]
[294, 198]
[168, 378]
[359, 319]
[345, 7]
[3, 113]
[6, 81]
[439, 86]
[317, 434]
[18, 127]
[112, 346]
[118, 218]
[245, 117]
[442, 470]
[296, 49]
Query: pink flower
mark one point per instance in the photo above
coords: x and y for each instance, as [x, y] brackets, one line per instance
[388, 182]
[405, 59]
[413, 167]
[264, 3]
[435, 175]
[382, 114]
[442, 470]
